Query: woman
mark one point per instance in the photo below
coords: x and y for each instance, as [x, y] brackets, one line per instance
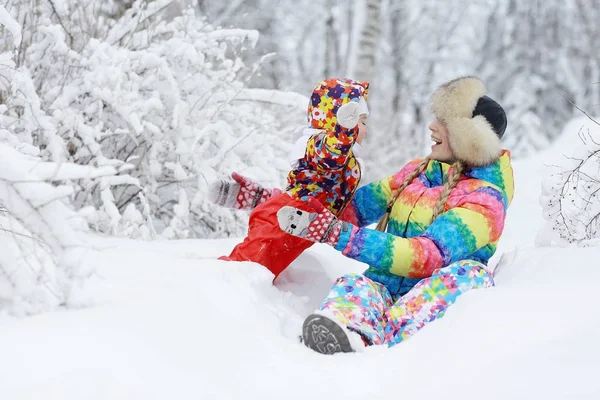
[440, 221]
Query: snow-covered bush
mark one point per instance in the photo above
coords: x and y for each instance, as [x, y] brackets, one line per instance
[147, 85]
[571, 191]
[117, 115]
[40, 233]
[41, 240]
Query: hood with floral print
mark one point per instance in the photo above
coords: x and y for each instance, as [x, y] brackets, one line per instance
[329, 95]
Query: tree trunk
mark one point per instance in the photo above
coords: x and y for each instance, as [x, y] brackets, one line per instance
[367, 42]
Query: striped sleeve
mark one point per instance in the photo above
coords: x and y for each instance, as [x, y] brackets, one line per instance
[475, 222]
[368, 204]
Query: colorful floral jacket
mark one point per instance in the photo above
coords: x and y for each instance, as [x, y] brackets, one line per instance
[413, 246]
[329, 170]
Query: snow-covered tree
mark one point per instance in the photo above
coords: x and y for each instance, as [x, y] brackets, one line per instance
[533, 42]
[151, 89]
[571, 191]
[535, 58]
[41, 235]
[366, 35]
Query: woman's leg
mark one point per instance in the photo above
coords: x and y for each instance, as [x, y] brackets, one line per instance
[430, 298]
[359, 304]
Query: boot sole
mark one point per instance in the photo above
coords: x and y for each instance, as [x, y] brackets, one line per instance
[325, 336]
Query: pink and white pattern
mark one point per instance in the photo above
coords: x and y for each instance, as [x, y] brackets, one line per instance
[324, 228]
[320, 227]
[244, 194]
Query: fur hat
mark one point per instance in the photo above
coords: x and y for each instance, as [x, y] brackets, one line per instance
[475, 122]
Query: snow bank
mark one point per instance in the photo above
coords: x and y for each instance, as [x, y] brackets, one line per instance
[173, 322]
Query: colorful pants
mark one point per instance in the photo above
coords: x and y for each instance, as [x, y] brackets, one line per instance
[366, 307]
[266, 243]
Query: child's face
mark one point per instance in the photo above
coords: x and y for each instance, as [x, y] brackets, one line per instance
[363, 130]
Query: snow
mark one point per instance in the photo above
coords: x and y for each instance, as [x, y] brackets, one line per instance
[168, 320]
[274, 96]
[241, 34]
[14, 28]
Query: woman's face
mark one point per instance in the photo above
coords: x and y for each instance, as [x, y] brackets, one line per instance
[440, 150]
[363, 130]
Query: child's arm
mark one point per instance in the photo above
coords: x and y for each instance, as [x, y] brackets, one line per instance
[330, 149]
[245, 194]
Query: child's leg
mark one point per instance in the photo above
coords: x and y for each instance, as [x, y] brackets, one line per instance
[266, 243]
[359, 304]
[430, 298]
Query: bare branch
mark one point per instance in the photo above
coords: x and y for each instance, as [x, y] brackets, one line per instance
[577, 107]
[71, 39]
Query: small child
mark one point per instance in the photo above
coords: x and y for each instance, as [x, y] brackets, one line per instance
[324, 166]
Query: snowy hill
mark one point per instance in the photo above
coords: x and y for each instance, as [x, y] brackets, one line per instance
[168, 321]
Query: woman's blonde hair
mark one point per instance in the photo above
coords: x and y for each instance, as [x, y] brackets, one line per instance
[453, 178]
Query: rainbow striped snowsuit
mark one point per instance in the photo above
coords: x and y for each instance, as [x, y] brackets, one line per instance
[418, 267]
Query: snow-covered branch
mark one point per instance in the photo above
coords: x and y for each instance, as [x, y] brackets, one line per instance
[276, 97]
[571, 192]
[151, 97]
[40, 236]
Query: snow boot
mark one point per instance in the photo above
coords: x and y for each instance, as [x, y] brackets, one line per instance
[324, 335]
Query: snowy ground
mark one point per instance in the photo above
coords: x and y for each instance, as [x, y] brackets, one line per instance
[170, 322]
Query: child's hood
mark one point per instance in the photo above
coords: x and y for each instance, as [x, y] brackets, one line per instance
[329, 95]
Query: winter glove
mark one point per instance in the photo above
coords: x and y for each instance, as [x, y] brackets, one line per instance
[320, 227]
[348, 116]
[242, 194]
